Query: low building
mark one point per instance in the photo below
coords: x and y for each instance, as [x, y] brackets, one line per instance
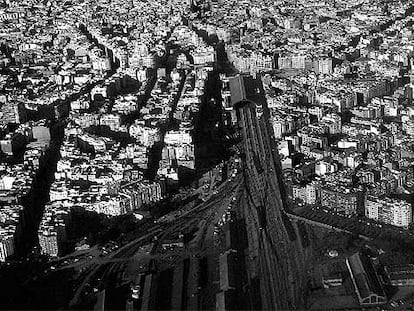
[332, 274]
[366, 282]
[401, 275]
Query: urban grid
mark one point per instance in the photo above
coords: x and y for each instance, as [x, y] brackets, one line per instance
[206, 155]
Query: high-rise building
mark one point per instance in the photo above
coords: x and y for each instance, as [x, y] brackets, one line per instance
[48, 242]
[6, 246]
[391, 211]
[343, 201]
